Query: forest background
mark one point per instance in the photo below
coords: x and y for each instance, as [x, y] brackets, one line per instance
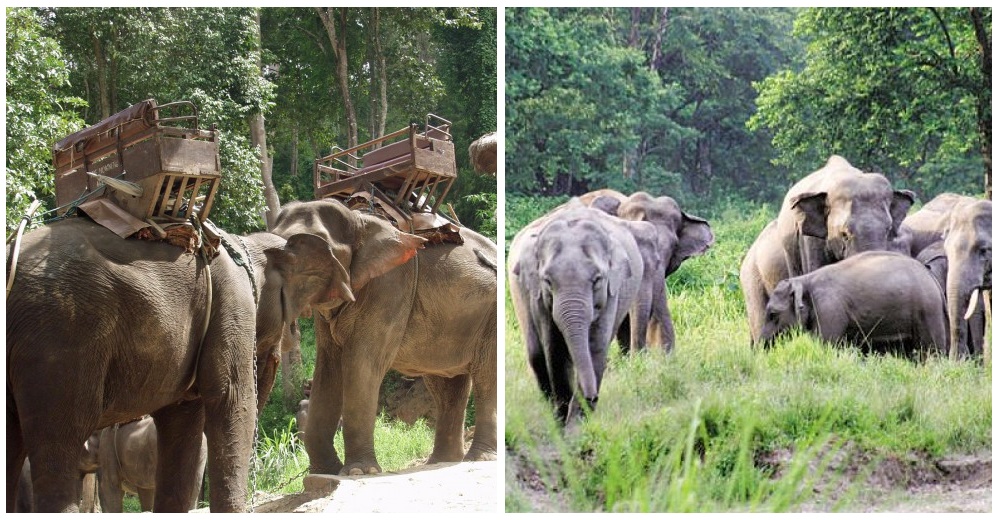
[736, 104]
[282, 85]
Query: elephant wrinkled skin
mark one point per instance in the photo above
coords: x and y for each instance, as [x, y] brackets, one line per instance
[880, 300]
[574, 275]
[122, 326]
[831, 214]
[434, 317]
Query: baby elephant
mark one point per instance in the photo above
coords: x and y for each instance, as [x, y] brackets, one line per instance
[127, 458]
[877, 300]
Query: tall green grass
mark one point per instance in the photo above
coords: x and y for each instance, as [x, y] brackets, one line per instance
[720, 426]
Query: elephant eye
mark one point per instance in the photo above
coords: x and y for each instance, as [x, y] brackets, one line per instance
[986, 251]
[597, 279]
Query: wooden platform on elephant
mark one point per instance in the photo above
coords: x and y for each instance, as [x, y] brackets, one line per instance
[417, 168]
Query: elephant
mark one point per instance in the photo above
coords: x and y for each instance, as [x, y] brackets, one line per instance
[881, 301]
[128, 459]
[130, 328]
[574, 275]
[679, 236]
[961, 228]
[435, 317]
[831, 214]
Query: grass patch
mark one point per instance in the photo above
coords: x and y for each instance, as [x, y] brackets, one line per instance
[704, 428]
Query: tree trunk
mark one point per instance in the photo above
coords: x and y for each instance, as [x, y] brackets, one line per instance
[258, 138]
[984, 115]
[338, 41]
[293, 168]
[102, 77]
[654, 60]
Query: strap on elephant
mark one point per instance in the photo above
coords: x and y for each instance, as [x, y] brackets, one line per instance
[25, 220]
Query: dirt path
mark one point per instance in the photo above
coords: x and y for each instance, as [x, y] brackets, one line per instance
[446, 487]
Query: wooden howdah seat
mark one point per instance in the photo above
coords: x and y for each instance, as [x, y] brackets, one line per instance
[173, 163]
[414, 169]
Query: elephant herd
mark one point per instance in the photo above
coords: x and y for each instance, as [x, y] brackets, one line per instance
[842, 260]
[102, 330]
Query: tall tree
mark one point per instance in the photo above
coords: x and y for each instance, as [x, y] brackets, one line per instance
[335, 23]
[898, 90]
[39, 111]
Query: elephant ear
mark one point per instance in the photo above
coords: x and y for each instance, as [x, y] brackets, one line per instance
[693, 238]
[619, 269]
[813, 209]
[606, 204]
[380, 249]
[901, 202]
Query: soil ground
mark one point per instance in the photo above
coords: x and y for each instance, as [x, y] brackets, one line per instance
[445, 487]
[915, 484]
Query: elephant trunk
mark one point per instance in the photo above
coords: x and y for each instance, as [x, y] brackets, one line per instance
[573, 314]
[959, 291]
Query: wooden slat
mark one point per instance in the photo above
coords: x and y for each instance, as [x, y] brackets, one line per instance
[180, 196]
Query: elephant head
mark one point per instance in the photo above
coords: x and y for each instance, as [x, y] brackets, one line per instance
[302, 273]
[968, 245]
[787, 307]
[681, 235]
[367, 246]
[851, 210]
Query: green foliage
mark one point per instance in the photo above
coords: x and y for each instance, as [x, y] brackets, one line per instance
[640, 99]
[39, 111]
[897, 90]
[718, 426]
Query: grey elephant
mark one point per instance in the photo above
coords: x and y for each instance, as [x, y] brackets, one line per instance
[433, 317]
[131, 327]
[882, 301]
[679, 236]
[831, 214]
[574, 275]
[128, 460]
[961, 229]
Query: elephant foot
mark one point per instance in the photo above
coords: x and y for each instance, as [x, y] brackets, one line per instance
[361, 468]
[478, 455]
[326, 469]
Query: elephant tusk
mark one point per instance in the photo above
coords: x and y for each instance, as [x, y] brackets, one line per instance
[973, 303]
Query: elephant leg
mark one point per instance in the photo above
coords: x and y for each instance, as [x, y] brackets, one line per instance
[663, 324]
[639, 319]
[362, 376]
[326, 402]
[178, 433]
[55, 474]
[146, 499]
[451, 396]
[536, 358]
[15, 455]
[228, 393]
[755, 299]
[109, 488]
[89, 490]
[484, 442]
